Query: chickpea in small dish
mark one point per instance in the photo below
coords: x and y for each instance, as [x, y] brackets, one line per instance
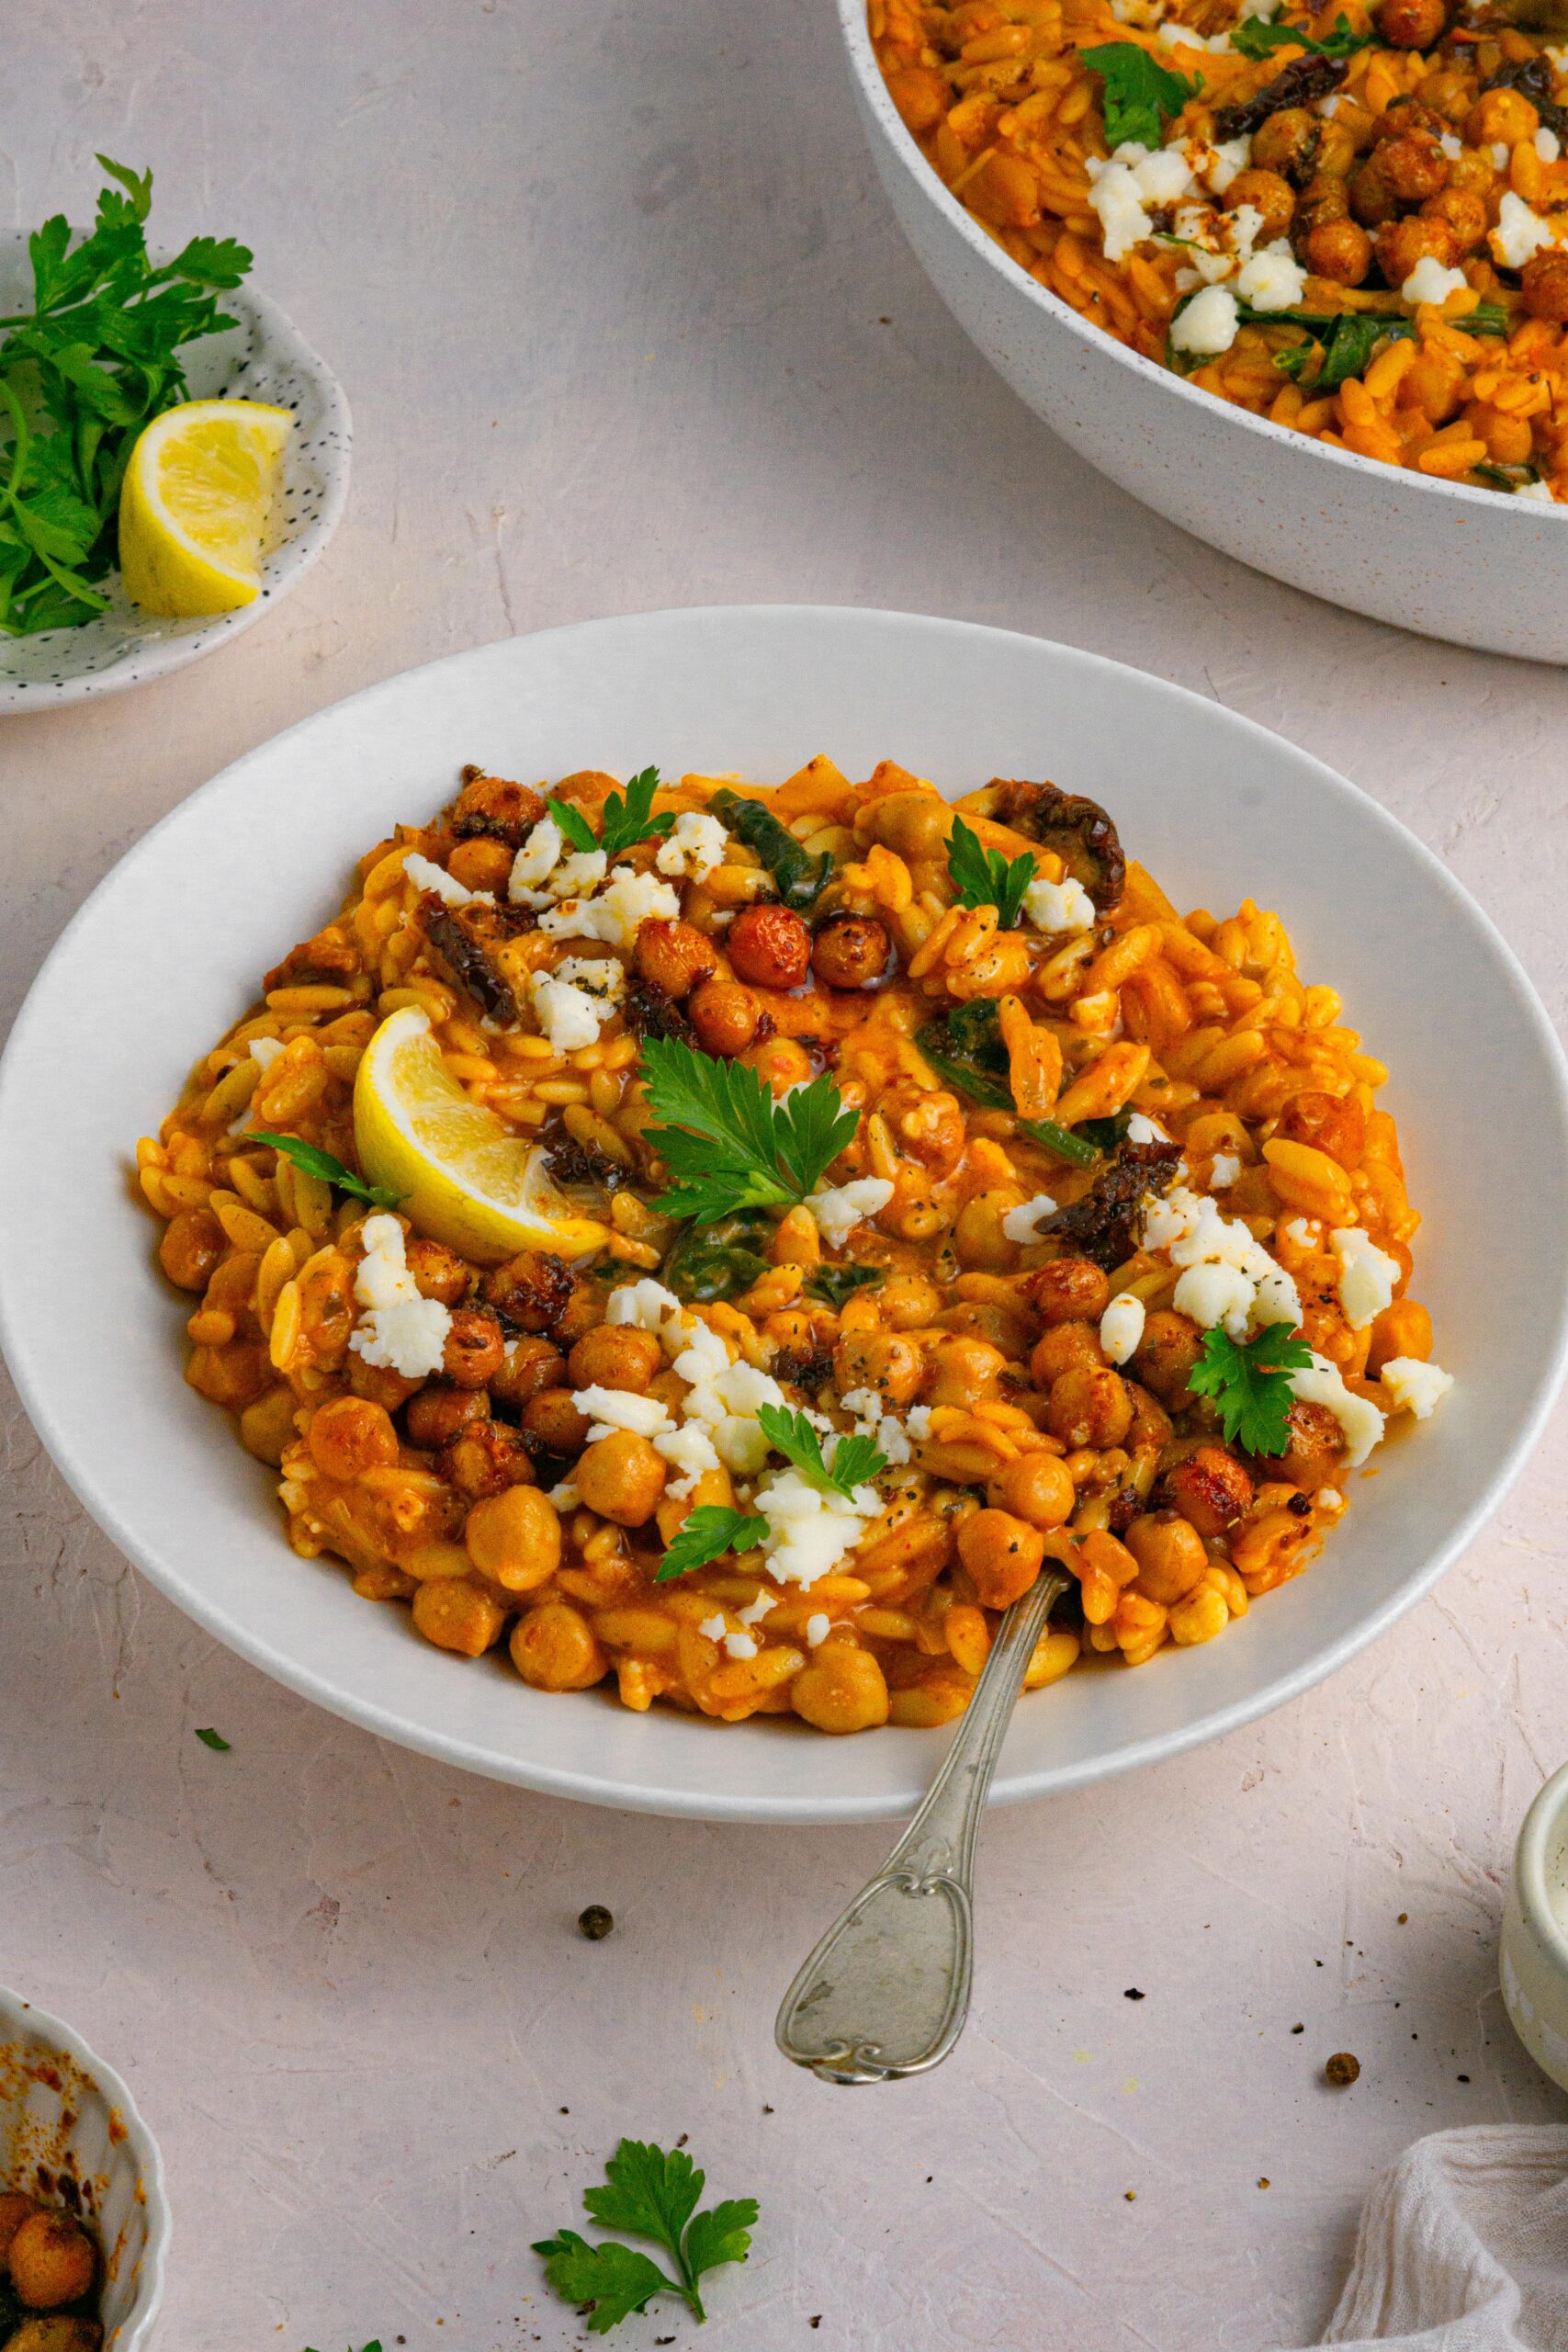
[51, 2273]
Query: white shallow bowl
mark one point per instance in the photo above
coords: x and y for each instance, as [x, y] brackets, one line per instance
[263, 357]
[66, 2116]
[167, 952]
[1440, 558]
[1534, 1967]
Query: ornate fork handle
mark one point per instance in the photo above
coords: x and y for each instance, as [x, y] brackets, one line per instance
[886, 1991]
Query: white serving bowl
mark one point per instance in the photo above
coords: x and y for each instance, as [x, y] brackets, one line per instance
[64, 2116]
[1449, 562]
[167, 952]
[1534, 1967]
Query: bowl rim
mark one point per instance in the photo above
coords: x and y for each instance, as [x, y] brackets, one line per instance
[20, 2015]
[874, 93]
[783, 1806]
[292, 560]
[1545, 1815]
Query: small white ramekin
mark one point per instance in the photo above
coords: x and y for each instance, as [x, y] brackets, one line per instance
[65, 2118]
[1535, 1943]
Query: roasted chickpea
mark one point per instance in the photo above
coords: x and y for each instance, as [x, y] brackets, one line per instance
[1066, 1347]
[585, 1305]
[379, 1385]
[1465, 214]
[475, 1349]
[192, 1246]
[1287, 144]
[1210, 1490]
[14, 2211]
[724, 1016]
[440, 1412]
[884, 1361]
[485, 1459]
[1505, 115]
[769, 946]
[1325, 197]
[621, 1477]
[1069, 1290]
[1340, 251]
[1150, 1424]
[1089, 1407]
[438, 1273]
[1413, 167]
[960, 1370]
[491, 807]
[1170, 1555]
[555, 1648]
[1036, 1486]
[916, 824]
[1329, 1124]
[531, 1290]
[529, 1365]
[1371, 198]
[1402, 243]
[553, 1421]
[514, 1538]
[1411, 24]
[1545, 282]
[780, 1063]
[350, 1436]
[1337, 147]
[1315, 1450]
[1402, 1329]
[56, 2334]
[978, 1240]
[674, 957]
[480, 865]
[1002, 1554]
[52, 2260]
[841, 1689]
[849, 951]
[457, 1614]
[1269, 194]
[909, 1302]
[615, 1355]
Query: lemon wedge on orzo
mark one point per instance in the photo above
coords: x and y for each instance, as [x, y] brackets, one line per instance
[466, 1179]
[197, 504]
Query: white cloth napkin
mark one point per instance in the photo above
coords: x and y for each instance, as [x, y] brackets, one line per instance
[1463, 2247]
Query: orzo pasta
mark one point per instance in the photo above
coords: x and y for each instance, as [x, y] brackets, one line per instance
[929, 1199]
[1352, 220]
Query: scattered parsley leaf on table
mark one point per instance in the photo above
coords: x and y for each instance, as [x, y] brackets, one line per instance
[648, 2194]
[1139, 95]
[857, 1459]
[1250, 1381]
[987, 877]
[710, 1531]
[215, 1739]
[625, 819]
[728, 1145]
[317, 1162]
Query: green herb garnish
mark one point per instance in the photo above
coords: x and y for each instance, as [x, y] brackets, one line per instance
[214, 1739]
[1250, 1381]
[835, 1284]
[1257, 39]
[1139, 96]
[985, 878]
[81, 373]
[317, 1162]
[1512, 479]
[719, 1260]
[728, 1145]
[856, 1460]
[1347, 339]
[967, 1049]
[652, 2195]
[800, 878]
[711, 1531]
[1106, 1134]
[625, 818]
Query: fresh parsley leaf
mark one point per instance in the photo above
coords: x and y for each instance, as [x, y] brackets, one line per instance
[137, 186]
[316, 1162]
[798, 877]
[625, 819]
[985, 878]
[834, 1284]
[214, 1739]
[709, 1532]
[1139, 95]
[574, 824]
[856, 1460]
[728, 1144]
[1250, 1381]
[650, 2194]
[1257, 39]
[1347, 339]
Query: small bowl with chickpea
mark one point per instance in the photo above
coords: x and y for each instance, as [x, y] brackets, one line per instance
[83, 2219]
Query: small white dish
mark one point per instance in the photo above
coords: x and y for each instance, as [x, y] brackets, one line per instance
[265, 357]
[168, 953]
[1534, 1961]
[66, 2116]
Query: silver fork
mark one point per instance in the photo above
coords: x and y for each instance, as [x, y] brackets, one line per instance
[886, 1991]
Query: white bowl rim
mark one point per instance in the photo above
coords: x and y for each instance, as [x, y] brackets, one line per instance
[873, 90]
[713, 1804]
[1529, 1869]
[19, 2014]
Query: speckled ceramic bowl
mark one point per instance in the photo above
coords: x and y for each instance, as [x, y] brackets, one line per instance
[1535, 1932]
[264, 358]
[69, 2129]
[1437, 557]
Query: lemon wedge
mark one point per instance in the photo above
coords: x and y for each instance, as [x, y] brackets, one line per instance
[466, 1179]
[196, 503]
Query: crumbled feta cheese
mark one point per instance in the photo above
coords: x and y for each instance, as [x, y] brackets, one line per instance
[596, 976]
[538, 857]
[1208, 325]
[565, 1495]
[755, 1610]
[1225, 1171]
[382, 1278]
[1056, 907]
[402, 1332]
[1113, 194]
[817, 1628]
[569, 1016]
[809, 1531]
[1122, 1326]
[1548, 145]
[896, 1447]
[1244, 223]
[1162, 177]
[1304, 1232]
[1320, 1383]
[1452, 144]
[1141, 1128]
[1211, 1294]
[1277, 1300]
[1023, 1224]
[1430, 282]
[266, 1050]
[1367, 1275]
[863, 1403]
[426, 876]
[1540, 490]
[838, 1210]
[1499, 152]
[1174, 35]
[688, 1448]
[918, 1421]
[1414, 1387]
[713, 1627]
[646, 1305]
[1520, 232]
[1223, 160]
[1329, 1498]
[1273, 279]
[619, 1408]
[695, 846]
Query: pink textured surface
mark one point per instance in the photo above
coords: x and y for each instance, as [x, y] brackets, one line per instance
[606, 289]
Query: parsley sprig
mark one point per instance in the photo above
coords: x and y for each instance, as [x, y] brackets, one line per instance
[988, 878]
[81, 373]
[728, 1144]
[1250, 1382]
[625, 819]
[648, 2194]
[1139, 95]
[710, 1531]
[856, 1460]
[1257, 39]
[317, 1162]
